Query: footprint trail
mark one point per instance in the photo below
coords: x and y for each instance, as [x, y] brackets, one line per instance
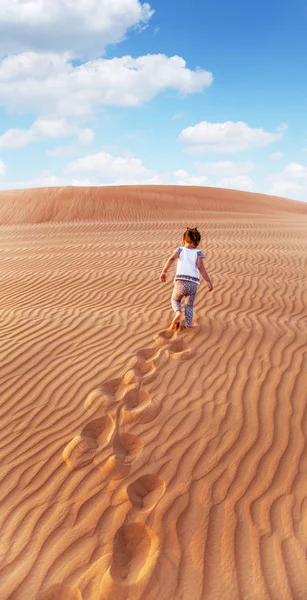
[124, 401]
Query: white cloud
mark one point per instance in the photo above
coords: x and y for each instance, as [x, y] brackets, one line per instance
[52, 128]
[2, 168]
[288, 189]
[225, 167]
[85, 28]
[16, 138]
[109, 166]
[226, 137]
[276, 155]
[86, 136]
[185, 178]
[63, 151]
[290, 182]
[51, 85]
[49, 181]
[240, 182]
[40, 130]
[46, 179]
[296, 171]
[237, 181]
[154, 180]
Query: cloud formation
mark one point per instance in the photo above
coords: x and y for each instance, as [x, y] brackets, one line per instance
[290, 182]
[2, 168]
[240, 182]
[226, 137]
[84, 28]
[185, 178]
[47, 179]
[225, 167]
[43, 129]
[276, 155]
[51, 85]
[108, 166]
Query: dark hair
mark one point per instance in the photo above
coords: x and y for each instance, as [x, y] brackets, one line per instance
[192, 236]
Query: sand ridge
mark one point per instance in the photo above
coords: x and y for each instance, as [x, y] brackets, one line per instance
[134, 204]
[138, 462]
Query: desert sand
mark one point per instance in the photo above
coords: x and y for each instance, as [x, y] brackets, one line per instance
[139, 463]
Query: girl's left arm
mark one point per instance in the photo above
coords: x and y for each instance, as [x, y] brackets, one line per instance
[167, 265]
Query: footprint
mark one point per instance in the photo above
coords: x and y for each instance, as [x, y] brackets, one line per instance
[99, 430]
[147, 353]
[78, 453]
[128, 446]
[115, 467]
[136, 401]
[180, 350]
[105, 396]
[150, 414]
[111, 387]
[164, 336]
[145, 492]
[191, 330]
[131, 377]
[98, 399]
[61, 592]
[135, 551]
[82, 448]
[142, 368]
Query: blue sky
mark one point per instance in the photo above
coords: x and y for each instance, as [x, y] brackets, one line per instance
[124, 92]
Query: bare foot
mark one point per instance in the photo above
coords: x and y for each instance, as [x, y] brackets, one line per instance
[176, 320]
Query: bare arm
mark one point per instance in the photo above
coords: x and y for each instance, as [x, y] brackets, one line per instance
[204, 273]
[167, 265]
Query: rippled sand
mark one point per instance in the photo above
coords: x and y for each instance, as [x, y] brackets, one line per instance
[138, 463]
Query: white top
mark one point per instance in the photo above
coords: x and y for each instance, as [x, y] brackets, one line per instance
[187, 269]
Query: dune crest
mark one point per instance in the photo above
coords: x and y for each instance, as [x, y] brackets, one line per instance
[138, 462]
[134, 204]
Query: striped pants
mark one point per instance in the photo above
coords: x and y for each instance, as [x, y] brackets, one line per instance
[184, 289]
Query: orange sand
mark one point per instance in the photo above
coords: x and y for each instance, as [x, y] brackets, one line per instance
[139, 463]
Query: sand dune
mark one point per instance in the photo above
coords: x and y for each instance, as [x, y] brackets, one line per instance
[137, 462]
[134, 204]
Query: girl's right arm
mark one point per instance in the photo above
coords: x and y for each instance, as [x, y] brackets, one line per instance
[167, 265]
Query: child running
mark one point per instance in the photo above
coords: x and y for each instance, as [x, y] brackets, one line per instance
[189, 266]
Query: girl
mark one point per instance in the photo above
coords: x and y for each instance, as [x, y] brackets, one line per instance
[190, 265]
